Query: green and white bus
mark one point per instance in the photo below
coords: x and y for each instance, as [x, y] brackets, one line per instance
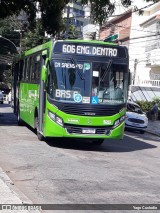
[72, 88]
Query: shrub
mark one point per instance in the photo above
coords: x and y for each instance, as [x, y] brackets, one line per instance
[146, 106]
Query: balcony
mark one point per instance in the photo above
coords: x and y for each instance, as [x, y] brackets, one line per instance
[153, 58]
[150, 83]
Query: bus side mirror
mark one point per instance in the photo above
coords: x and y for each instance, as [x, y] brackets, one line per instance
[44, 70]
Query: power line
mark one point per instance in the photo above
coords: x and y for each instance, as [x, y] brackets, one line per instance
[136, 10]
[143, 37]
[34, 38]
[116, 25]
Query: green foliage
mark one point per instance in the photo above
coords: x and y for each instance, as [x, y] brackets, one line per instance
[14, 7]
[147, 106]
[8, 27]
[101, 9]
[51, 11]
[156, 99]
[5, 79]
[34, 37]
[73, 33]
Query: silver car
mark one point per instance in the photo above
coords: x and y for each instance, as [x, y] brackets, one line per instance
[136, 119]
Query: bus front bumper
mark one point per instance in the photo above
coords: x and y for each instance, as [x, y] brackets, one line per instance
[52, 129]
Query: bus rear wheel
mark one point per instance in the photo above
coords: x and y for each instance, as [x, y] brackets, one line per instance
[98, 142]
[39, 135]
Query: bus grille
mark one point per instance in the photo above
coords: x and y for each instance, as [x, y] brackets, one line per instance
[73, 129]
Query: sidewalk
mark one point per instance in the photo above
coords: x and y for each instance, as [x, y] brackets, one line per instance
[9, 194]
[153, 127]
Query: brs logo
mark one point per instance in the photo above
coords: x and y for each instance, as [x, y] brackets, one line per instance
[65, 93]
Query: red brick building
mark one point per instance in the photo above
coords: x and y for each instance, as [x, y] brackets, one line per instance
[120, 26]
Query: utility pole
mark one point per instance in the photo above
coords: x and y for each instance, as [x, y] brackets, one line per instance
[20, 40]
[135, 69]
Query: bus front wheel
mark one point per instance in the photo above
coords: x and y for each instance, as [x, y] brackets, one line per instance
[39, 135]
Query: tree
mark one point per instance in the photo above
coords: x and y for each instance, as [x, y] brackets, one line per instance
[72, 33]
[101, 10]
[51, 11]
[34, 37]
[5, 77]
[10, 40]
[8, 27]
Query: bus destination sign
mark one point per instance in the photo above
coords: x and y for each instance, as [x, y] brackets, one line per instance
[88, 49]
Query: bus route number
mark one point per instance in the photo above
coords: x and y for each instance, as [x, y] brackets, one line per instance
[69, 49]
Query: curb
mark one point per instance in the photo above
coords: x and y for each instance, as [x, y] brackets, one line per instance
[152, 133]
[14, 190]
[12, 197]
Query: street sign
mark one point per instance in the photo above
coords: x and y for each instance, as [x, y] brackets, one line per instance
[111, 37]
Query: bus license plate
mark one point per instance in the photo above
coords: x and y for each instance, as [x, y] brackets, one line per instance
[88, 131]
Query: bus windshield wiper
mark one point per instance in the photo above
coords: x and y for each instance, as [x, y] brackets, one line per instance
[106, 70]
[77, 69]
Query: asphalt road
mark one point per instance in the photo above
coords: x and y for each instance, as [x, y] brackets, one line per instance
[75, 172]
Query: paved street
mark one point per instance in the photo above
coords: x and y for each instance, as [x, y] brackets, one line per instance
[77, 172]
[154, 127]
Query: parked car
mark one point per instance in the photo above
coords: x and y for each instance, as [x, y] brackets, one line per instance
[136, 119]
[1, 97]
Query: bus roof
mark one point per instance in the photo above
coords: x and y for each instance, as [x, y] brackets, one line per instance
[91, 42]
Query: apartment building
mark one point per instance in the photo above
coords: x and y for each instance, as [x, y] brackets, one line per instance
[141, 34]
[74, 12]
[151, 29]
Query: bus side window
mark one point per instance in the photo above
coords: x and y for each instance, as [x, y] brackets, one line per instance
[21, 70]
[38, 67]
[16, 71]
[35, 71]
[35, 75]
[33, 68]
[28, 69]
[24, 69]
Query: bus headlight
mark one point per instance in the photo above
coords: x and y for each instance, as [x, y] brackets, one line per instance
[55, 118]
[116, 123]
[122, 118]
[119, 121]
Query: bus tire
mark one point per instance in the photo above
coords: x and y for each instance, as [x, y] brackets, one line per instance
[98, 142]
[19, 120]
[39, 135]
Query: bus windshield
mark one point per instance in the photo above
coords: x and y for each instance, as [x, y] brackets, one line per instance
[88, 82]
